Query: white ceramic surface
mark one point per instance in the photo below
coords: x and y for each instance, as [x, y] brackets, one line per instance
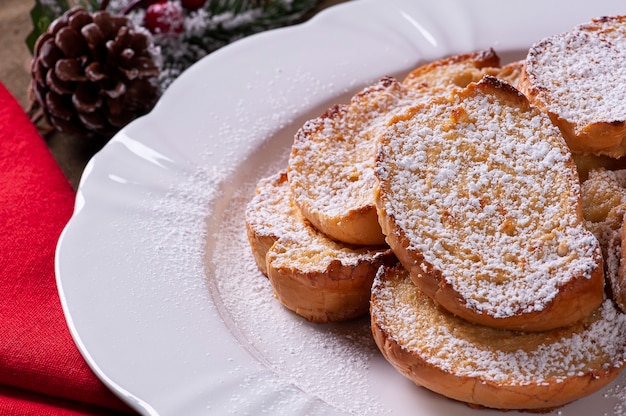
[156, 280]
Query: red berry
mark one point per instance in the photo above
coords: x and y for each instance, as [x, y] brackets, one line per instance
[164, 17]
[192, 4]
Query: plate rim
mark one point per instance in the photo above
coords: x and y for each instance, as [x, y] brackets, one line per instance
[84, 188]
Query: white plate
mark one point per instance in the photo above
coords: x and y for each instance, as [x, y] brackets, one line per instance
[155, 275]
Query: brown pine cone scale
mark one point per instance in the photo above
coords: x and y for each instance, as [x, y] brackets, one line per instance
[94, 73]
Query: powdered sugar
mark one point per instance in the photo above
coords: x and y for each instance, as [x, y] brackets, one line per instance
[269, 212]
[331, 165]
[579, 75]
[200, 217]
[299, 246]
[329, 362]
[332, 159]
[507, 358]
[490, 202]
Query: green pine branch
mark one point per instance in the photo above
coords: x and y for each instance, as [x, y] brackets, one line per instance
[225, 23]
[179, 53]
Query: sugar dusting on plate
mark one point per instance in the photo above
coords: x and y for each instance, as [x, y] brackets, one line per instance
[329, 363]
[326, 361]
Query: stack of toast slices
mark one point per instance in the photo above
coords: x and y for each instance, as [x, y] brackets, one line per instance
[476, 212]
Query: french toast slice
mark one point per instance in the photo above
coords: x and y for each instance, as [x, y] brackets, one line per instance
[479, 198]
[440, 76]
[578, 78]
[314, 276]
[604, 206]
[488, 367]
[331, 162]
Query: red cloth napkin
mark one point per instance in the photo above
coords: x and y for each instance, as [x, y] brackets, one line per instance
[41, 369]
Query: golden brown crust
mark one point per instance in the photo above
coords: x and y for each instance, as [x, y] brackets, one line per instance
[339, 292]
[576, 78]
[490, 367]
[479, 255]
[317, 278]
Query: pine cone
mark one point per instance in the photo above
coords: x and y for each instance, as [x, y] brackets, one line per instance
[93, 74]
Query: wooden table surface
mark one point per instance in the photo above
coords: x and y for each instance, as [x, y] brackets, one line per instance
[72, 153]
